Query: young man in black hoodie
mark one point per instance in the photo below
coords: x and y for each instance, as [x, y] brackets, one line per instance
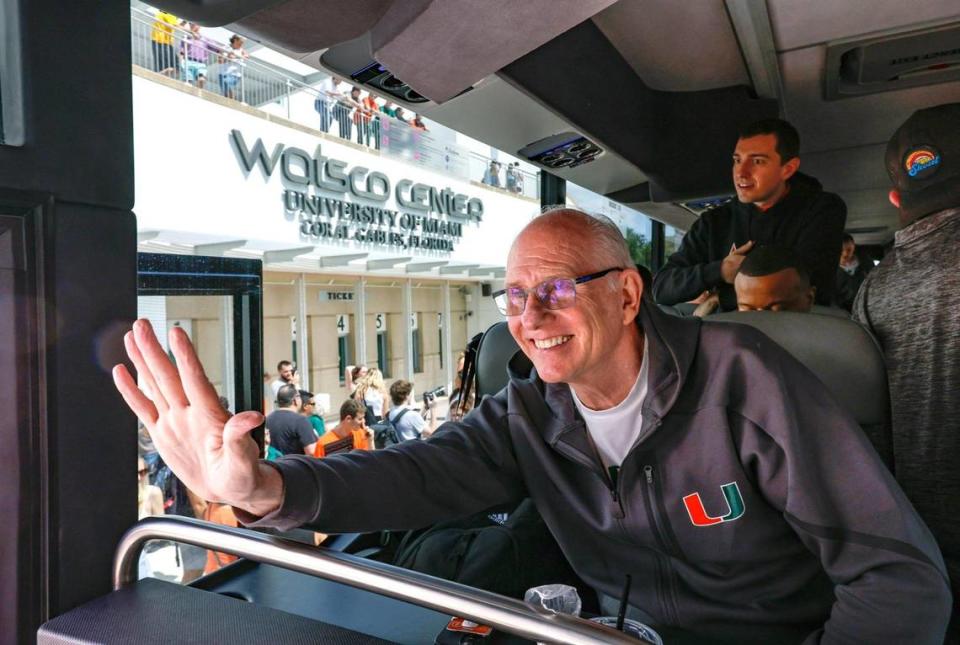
[775, 205]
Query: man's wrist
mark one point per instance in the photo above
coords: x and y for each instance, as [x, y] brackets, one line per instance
[268, 494]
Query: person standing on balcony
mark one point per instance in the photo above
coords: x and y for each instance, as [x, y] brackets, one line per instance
[326, 104]
[356, 106]
[231, 75]
[372, 124]
[161, 41]
[390, 109]
[195, 51]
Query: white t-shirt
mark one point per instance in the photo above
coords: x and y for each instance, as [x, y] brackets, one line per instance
[615, 431]
[410, 425]
[373, 399]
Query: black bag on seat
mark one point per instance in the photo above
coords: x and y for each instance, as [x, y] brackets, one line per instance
[505, 558]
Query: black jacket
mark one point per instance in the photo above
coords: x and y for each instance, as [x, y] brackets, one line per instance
[808, 220]
[752, 509]
[847, 285]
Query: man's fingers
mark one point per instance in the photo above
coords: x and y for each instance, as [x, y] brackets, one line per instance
[143, 407]
[165, 374]
[745, 248]
[196, 385]
[236, 432]
[143, 371]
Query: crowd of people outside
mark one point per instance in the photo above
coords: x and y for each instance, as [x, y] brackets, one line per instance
[180, 50]
[510, 178]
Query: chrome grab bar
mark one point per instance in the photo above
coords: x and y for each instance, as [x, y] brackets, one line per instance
[444, 596]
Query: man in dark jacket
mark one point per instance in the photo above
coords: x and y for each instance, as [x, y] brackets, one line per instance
[700, 458]
[909, 303]
[850, 274]
[775, 205]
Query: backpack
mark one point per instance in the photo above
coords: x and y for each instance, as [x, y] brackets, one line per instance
[506, 558]
[385, 432]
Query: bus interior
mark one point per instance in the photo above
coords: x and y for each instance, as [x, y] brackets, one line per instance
[637, 100]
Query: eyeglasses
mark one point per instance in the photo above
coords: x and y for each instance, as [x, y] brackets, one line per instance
[555, 293]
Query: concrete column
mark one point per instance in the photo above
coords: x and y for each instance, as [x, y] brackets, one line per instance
[360, 321]
[303, 331]
[229, 363]
[448, 356]
[408, 329]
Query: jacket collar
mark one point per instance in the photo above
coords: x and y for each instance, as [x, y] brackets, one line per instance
[924, 226]
[672, 344]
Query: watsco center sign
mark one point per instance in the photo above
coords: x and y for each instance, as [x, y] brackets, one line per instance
[333, 200]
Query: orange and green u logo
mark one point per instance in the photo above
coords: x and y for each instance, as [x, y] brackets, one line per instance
[698, 514]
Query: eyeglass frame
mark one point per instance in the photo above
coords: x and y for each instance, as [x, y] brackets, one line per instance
[526, 292]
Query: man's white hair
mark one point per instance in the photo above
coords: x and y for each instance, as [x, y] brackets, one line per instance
[609, 241]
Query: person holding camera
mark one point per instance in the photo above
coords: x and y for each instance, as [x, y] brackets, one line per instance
[409, 422]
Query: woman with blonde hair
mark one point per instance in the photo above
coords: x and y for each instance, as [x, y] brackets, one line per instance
[372, 392]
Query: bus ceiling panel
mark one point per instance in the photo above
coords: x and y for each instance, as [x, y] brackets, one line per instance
[814, 22]
[666, 212]
[507, 118]
[647, 34]
[442, 48]
[214, 13]
[301, 26]
[680, 140]
[847, 123]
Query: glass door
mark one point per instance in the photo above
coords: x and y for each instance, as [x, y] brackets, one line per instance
[218, 302]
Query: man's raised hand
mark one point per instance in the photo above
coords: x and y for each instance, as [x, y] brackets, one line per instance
[207, 448]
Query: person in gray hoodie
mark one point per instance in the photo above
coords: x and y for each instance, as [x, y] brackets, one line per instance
[700, 458]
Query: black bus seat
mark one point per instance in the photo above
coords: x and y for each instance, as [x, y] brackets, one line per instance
[841, 353]
[823, 310]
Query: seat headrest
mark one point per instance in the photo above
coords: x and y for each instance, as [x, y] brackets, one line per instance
[496, 349]
[843, 355]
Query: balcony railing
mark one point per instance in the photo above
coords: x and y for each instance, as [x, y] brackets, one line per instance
[195, 59]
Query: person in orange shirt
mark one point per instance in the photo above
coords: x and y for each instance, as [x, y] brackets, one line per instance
[371, 122]
[350, 434]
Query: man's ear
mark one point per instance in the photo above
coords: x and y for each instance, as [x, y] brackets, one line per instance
[631, 286]
[790, 168]
[894, 197]
[811, 296]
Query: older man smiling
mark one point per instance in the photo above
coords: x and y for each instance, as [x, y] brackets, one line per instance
[699, 458]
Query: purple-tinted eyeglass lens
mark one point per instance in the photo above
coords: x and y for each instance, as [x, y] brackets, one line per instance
[556, 294]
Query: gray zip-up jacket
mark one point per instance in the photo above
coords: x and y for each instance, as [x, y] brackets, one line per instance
[752, 509]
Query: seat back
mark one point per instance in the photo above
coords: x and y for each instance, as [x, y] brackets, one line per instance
[841, 353]
[496, 349]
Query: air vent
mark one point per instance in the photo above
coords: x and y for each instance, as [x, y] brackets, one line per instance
[893, 62]
[564, 150]
[380, 79]
[698, 206]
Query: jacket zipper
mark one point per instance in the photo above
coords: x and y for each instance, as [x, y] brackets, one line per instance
[653, 515]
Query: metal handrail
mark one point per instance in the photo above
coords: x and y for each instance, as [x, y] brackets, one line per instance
[416, 588]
